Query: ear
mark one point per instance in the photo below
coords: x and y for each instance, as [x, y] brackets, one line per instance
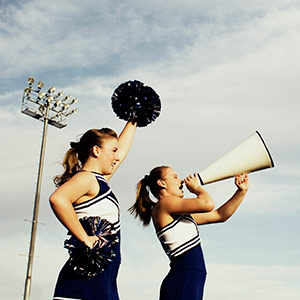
[96, 151]
[161, 183]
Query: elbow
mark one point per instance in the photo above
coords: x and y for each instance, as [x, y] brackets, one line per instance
[53, 200]
[205, 204]
[209, 203]
[209, 206]
[222, 220]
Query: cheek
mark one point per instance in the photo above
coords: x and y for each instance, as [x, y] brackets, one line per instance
[111, 157]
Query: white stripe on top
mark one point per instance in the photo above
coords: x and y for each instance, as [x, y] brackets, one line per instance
[64, 298]
[179, 236]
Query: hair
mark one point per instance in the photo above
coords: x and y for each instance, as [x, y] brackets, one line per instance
[143, 206]
[80, 151]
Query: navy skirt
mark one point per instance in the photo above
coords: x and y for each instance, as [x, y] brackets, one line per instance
[103, 286]
[186, 279]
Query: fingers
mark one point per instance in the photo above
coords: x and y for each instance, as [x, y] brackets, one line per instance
[243, 177]
[92, 241]
[95, 243]
[241, 181]
[192, 182]
[191, 177]
[240, 178]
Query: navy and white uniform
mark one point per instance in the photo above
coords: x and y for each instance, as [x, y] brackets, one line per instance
[71, 286]
[181, 241]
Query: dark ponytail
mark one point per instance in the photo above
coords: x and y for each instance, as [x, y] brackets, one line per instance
[143, 205]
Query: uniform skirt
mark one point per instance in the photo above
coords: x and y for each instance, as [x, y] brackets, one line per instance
[71, 286]
[186, 278]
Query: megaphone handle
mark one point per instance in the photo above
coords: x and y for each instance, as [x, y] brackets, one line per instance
[201, 181]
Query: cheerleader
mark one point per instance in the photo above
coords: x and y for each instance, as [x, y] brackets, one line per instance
[86, 206]
[175, 219]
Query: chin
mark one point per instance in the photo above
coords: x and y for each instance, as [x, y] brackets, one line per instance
[107, 173]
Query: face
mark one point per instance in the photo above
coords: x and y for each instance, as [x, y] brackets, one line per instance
[108, 155]
[173, 184]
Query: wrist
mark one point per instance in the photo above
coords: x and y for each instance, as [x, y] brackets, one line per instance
[85, 239]
[199, 190]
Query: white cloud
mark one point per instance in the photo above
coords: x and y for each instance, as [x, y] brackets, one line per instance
[125, 34]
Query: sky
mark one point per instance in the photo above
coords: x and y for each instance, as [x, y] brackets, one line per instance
[222, 69]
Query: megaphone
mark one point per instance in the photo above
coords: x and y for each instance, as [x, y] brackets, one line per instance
[249, 156]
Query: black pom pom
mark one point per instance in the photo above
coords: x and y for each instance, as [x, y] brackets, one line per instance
[132, 100]
[90, 262]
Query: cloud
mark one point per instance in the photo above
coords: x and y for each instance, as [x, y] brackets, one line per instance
[122, 34]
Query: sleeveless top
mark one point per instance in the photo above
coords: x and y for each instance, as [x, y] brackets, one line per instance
[70, 283]
[179, 236]
[104, 205]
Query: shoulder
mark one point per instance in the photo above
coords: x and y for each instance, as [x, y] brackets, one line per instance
[161, 214]
[169, 199]
[82, 184]
[82, 180]
[83, 177]
[167, 202]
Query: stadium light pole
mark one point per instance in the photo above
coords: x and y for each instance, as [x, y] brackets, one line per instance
[52, 110]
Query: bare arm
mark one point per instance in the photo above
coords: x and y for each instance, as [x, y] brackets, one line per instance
[225, 211]
[170, 205]
[125, 140]
[80, 185]
[202, 203]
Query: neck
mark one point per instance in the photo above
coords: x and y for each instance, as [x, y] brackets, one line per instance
[92, 166]
[162, 194]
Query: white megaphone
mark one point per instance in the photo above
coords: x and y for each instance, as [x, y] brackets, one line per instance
[250, 156]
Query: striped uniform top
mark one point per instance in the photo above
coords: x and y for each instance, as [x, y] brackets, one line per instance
[179, 236]
[104, 205]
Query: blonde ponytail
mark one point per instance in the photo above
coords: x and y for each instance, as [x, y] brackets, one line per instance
[71, 165]
[143, 205]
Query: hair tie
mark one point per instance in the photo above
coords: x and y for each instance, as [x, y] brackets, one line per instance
[147, 179]
[74, 145]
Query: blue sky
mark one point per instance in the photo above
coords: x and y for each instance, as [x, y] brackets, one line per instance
[223, 69]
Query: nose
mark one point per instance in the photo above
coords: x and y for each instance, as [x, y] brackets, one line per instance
[117, 157]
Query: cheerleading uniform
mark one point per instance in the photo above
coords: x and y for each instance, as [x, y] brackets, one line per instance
[103, 286]
[181, 241]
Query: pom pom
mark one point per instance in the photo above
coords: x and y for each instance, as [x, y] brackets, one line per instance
[132, 100]
[90, 262]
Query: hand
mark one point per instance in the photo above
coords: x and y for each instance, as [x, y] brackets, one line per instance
[91, 241]
[242, 182]
[192, 183]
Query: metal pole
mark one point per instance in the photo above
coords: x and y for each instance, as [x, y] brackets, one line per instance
[36, 208]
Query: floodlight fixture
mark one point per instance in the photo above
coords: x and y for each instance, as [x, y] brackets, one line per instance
[49, 109]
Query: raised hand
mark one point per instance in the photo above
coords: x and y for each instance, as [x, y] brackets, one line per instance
[242, 182]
